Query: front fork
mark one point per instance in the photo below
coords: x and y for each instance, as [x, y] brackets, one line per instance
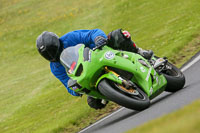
[124, 82]
[127, 85]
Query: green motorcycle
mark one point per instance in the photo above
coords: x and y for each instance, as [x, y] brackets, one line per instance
[123, 77]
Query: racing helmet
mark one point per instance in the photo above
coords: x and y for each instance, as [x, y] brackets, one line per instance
[49, 46]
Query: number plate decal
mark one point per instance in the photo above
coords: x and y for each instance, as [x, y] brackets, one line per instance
[109, 55]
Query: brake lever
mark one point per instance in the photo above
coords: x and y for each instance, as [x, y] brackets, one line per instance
[99, 47]
[164, 66]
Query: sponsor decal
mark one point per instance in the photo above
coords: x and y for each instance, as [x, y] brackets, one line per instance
[101, 59]
[148, 75]
[74, 88]
[89, 56]
[157, 81]
[109, 55]
[155, 76]
[143, 69]
[151, 90]
[125, 56]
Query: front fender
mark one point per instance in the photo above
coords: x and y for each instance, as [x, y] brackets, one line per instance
[109, 76]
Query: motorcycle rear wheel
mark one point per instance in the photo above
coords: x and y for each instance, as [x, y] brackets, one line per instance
[112, 92]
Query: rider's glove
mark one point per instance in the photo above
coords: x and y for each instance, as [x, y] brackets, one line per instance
[100, 41]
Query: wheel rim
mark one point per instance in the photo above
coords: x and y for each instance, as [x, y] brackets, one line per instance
[171, 71]
[131, 92]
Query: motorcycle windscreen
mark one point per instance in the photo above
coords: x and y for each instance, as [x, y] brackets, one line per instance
[69, 58]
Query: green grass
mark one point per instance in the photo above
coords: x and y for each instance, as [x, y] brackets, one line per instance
[31, 99]
[186, 120]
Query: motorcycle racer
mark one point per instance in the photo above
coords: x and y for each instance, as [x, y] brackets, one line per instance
[50, 47]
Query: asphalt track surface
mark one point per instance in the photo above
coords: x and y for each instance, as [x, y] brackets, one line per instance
[125, 119]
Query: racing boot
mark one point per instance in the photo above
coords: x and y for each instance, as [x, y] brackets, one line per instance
[121, 39]
[96, 103]
[131, 46]
[147, 54]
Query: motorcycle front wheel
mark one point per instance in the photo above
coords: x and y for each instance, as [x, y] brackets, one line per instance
[118, 94]
[175, 78]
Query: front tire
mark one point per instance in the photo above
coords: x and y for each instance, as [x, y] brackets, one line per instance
[107, 88]
[175, 78]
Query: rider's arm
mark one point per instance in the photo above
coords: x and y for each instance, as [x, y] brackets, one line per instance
[86, 37]
[59, 72]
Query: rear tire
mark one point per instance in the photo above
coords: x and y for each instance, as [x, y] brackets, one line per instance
[175, 79]
[107, 88]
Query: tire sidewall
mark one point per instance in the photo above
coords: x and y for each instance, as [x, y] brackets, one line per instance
[116, 96]
[174, 83]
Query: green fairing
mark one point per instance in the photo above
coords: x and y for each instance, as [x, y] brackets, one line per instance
[94, 71]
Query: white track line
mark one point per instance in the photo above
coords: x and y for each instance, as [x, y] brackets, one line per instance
[183, 69]
[191, 63]
[102, 119]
